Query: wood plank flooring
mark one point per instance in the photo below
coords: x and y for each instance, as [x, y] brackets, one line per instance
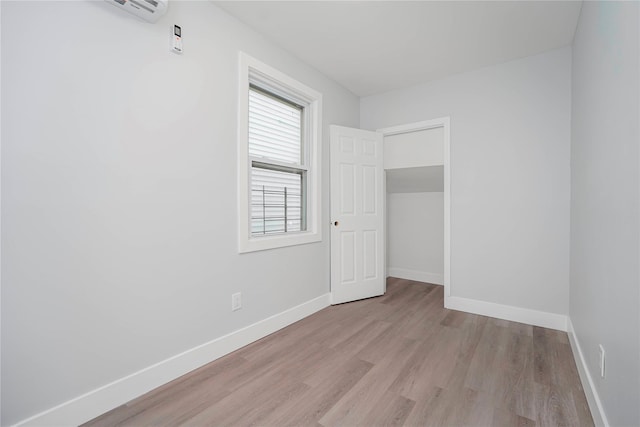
[399, 359]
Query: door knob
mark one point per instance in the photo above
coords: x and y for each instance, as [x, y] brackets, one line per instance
[335, 223]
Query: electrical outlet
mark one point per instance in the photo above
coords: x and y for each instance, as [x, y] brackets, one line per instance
[602, 371]
[236, 301]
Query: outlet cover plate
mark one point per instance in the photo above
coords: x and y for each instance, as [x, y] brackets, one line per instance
[236, 301]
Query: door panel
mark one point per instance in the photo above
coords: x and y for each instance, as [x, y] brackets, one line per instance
[357, 246]
[370, 239]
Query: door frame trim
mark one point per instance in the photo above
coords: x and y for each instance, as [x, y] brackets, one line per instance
[445, 123]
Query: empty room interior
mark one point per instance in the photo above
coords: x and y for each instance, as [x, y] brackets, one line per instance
[320, 213]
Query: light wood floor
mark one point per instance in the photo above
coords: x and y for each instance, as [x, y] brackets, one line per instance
[399, 359]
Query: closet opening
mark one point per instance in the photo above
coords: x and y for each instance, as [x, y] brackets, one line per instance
[417, 202]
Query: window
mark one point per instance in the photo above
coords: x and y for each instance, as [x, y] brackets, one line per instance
[278, 172]
[278, 159]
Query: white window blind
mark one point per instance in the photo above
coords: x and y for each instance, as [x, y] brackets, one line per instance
[274, 128]
[278, 174]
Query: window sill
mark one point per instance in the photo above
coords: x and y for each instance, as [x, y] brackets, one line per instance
[277, 241]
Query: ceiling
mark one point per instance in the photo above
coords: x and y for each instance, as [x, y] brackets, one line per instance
[371, 47]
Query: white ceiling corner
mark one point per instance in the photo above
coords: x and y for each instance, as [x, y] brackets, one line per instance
[372, 47]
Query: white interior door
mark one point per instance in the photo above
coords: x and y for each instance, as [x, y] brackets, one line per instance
[357, 233]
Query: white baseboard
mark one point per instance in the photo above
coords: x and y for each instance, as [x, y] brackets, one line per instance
[90, 405]
[420, 276]
[507, 312]
[595, 404]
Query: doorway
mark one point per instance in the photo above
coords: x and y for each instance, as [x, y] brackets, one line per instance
[358, 195]
[417, 171]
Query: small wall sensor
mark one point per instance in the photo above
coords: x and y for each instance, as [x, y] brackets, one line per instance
[176, 39]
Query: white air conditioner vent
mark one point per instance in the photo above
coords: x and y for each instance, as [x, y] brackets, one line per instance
[149, 10]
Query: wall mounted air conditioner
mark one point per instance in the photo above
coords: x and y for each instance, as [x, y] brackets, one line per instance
[149, 10]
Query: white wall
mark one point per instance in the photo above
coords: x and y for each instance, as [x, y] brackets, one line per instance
[119, 195]
[415, 236]
[414, 149]
[510, 137]
[605, 198]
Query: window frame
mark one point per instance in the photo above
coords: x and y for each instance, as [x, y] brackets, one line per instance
[266, 78]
